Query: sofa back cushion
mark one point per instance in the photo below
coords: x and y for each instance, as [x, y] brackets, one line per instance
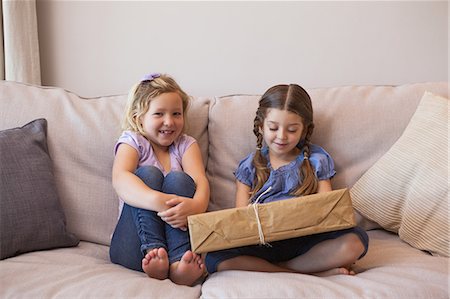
[81, 136]
[355, 124]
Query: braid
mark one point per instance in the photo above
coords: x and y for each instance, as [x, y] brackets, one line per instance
[259, 161]
[309, 180]
[292, 98]
[256, 131]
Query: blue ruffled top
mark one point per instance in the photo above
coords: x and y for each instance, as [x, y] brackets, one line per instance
[286, 178]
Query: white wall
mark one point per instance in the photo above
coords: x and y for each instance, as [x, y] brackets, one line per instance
[217, 48]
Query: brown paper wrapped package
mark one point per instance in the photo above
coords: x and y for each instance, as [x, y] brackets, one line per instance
[278, 220]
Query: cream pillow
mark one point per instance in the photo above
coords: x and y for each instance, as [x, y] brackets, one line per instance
[406, 190]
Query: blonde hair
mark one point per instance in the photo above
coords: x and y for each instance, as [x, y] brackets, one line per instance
[141, 95]
[295, 99]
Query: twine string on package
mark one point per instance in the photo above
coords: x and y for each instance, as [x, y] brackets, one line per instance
[258, 221]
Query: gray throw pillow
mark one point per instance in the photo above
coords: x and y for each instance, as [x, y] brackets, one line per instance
[31, 216]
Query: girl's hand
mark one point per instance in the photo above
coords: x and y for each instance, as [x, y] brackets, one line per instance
[176, 215]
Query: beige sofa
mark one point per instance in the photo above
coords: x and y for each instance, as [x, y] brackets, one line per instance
[358, 125]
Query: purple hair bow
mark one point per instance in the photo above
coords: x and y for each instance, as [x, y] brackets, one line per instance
[150, 77]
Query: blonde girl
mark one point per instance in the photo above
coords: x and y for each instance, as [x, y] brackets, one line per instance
[286, 164]
[159, 176]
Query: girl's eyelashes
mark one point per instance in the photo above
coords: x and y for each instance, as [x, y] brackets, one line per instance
[289, 130]
[161, 113]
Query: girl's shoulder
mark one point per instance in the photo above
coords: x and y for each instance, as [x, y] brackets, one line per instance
[247, 161]
[182, 143]
[185, 138]
[318, 150]
[245, 171]
[134, 139]
[130, 135]
[322, 162]
[318, 155]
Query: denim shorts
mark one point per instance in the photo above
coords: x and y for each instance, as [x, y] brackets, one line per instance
[281, 251]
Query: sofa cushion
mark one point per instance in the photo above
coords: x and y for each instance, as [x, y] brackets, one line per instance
[391, 269]
[406, 190]
[81, 137]
[82, 272]
[31, 217]
[355, 124]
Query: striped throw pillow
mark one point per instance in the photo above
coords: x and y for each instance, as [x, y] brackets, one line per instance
[406, 190]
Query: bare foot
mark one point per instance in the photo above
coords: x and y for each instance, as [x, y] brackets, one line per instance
[335, 271]
[156, 263]
[188, 270]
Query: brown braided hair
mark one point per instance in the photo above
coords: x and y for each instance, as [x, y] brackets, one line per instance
[295, 99]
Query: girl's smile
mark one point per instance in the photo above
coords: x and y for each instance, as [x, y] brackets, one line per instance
[282, 131]
[164, 121]
[166, 132]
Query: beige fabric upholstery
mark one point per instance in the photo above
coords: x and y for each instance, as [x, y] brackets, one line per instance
[81, 136]
[406, 191]
[81, 272]
[391, 269]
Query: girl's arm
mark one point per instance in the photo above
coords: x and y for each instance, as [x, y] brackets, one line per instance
[131, 188]
[242, 194]
[192, 164]
[324, 186]
[182, 207]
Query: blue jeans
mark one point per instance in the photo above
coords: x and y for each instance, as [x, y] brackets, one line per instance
[139, 230]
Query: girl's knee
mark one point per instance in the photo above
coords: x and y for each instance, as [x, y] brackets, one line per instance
[353, 246]
[180, 183]
[151, 176]
[179, 176]
[148, 171]
[362, 242]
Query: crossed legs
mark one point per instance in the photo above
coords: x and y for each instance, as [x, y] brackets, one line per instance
[328, 256]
